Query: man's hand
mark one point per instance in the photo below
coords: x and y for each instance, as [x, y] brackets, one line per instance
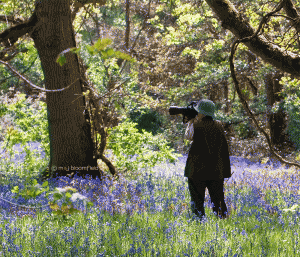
[189, 133]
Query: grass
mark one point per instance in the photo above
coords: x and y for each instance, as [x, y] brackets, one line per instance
[149, 215]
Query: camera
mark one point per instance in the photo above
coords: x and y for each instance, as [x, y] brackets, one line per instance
[188, 112]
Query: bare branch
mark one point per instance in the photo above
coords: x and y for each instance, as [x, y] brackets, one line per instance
[144, 23]
[28, 68]
[30, 83]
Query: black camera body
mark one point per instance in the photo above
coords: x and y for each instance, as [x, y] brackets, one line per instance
[188, 112]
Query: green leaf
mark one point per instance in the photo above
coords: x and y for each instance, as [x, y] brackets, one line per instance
[64, 205]
[110, 52]
[15, 190]
[68, 195]
[3, 109]
[72, 210]
[117, 106]
[54, 206]
[57, 196]
[45, 184]
[61, 60]
[89, 204]
[72, 189]
[90, 49]
[74, 50]
[101, 44]
[58, 212]
[68, 202]
[124, 56]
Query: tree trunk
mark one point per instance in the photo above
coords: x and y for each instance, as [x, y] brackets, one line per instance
[71, 145]
[226, 94]
[277, 121]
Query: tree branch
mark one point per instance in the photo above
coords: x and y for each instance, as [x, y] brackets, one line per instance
[11, 19]
[30, 83]
[11, 35]
[23, 72]
[127, 18]
[270, 53]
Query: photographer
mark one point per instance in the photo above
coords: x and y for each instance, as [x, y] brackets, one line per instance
[208, 160]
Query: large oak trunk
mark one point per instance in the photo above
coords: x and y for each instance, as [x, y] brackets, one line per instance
[70, 134]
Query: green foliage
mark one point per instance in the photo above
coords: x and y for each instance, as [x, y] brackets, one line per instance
[125, 139]
[101, 47]
[291, 105]
[245, 130]
[147, 119]
[3, 109]
[193, 52]
[31, 126]
[32, 191]
[113, 13]
[59, 194]
[66, 195]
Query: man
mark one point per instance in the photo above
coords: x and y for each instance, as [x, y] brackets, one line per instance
[208, 160]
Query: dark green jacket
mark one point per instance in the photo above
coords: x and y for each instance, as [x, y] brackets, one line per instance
[208, 158]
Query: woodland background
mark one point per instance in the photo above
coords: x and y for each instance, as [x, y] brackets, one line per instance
[182, 55]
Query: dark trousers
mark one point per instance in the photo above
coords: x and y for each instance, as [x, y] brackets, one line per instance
[216, 192]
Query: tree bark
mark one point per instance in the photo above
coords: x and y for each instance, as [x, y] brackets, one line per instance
[277, 122]
[226, 96]
[71, 147]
